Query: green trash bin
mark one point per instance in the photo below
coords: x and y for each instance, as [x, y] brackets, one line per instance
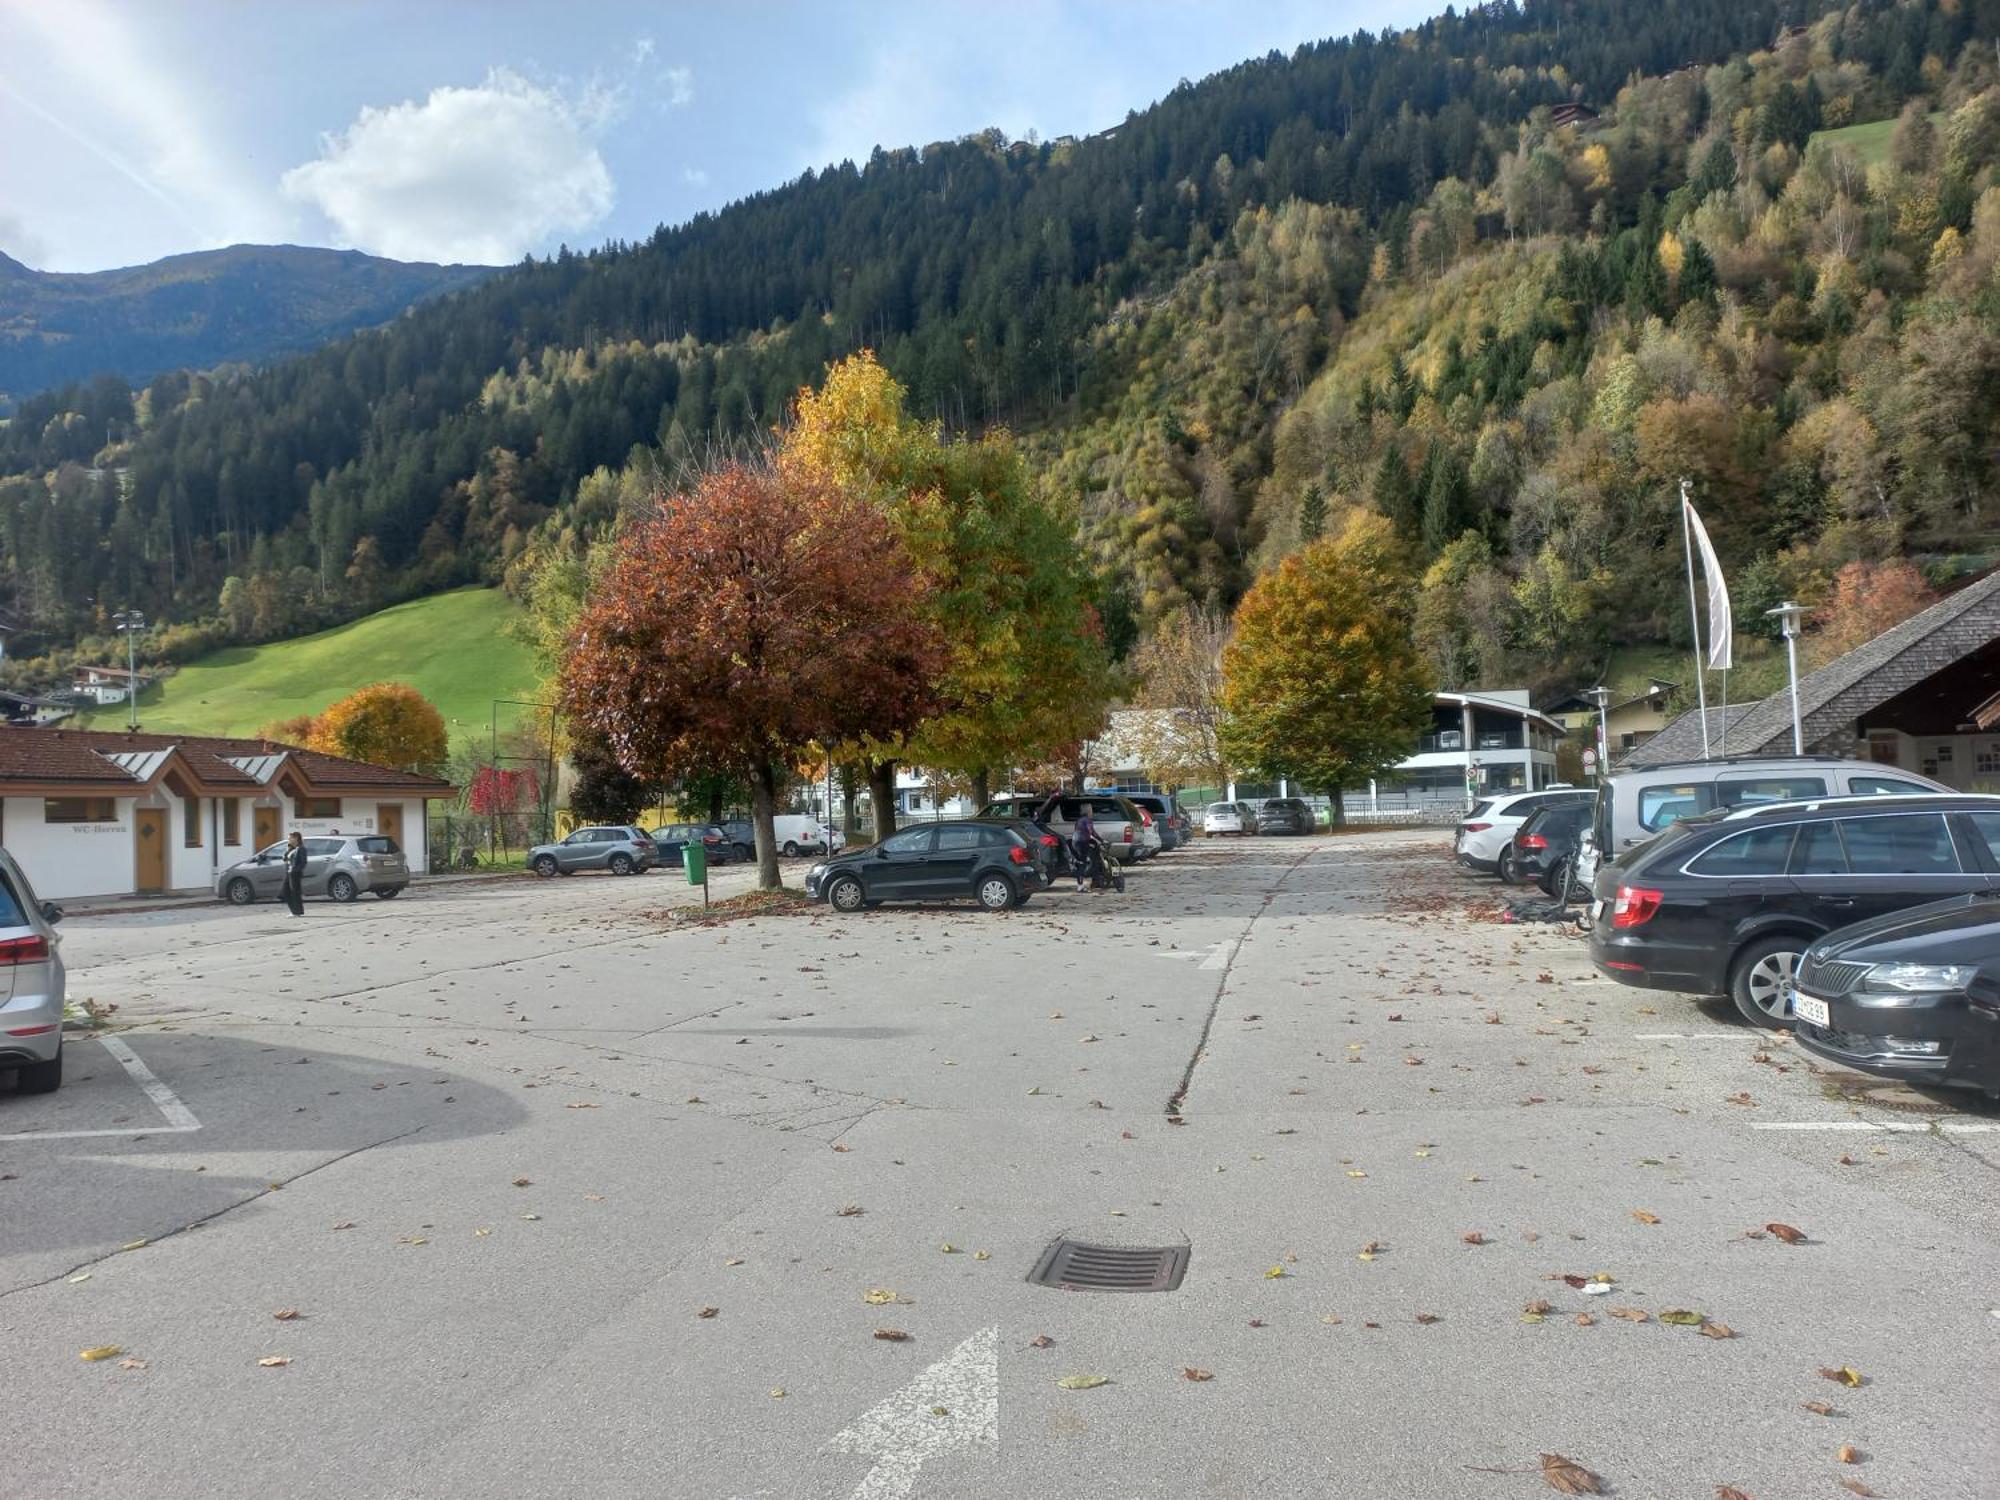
[694, 859]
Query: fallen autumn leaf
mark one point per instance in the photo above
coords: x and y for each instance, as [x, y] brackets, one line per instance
[1569, 1476]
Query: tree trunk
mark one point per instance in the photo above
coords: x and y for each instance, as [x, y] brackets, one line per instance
[715, 802]
[850, 792]
[1337, 808]
[882, 792]
[763, 804]
[982, 788]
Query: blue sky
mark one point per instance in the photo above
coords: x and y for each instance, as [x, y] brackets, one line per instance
[445, 130]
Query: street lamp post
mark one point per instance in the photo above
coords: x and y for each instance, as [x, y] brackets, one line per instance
[1788, 615]
[130, 622]
[1601, 696]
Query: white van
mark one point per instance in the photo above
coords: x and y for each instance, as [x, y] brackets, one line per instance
[797, 834]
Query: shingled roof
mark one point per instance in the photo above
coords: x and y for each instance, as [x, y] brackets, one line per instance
[1841, 692]
[108, 759]
[1681, 740]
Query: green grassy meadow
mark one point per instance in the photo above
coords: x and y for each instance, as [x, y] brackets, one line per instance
[1870, 142]
[453, 648]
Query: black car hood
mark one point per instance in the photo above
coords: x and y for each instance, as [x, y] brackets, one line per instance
[1958, 929]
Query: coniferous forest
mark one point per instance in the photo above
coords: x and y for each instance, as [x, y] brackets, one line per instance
[1404, 273]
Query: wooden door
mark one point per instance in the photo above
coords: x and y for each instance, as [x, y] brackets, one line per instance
[151, 823]
[389, 820]
[266, 828]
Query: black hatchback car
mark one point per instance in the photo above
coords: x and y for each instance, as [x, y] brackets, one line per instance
[997, 864]
[1914, 995]
[1545, 844]
[1286, 815]
[1726, 903]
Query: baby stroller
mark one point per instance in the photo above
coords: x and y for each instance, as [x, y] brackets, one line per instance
[1095, 868]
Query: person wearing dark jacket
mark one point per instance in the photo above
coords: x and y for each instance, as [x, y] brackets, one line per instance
[295, 873]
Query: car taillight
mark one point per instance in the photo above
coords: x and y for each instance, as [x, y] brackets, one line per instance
[1049, 841]
[1475, 827]
[24, 950]
[1635, 906]
[1128, 833]
[1018, 854]
[1531, 841]
[1145, 817]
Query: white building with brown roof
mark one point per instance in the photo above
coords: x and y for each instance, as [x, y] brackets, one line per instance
[90, 813]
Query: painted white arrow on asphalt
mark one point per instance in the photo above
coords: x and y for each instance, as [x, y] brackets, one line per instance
[1211, 955]
[953, 1404]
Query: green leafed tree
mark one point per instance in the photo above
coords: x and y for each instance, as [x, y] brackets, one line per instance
[1322, 684]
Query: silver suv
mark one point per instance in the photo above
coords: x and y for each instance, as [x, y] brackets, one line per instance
[31, 983]
[341, 866]
[619, 848]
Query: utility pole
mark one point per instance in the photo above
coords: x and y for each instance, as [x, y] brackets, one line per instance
[130, 622]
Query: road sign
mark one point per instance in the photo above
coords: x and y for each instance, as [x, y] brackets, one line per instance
[1590, 760]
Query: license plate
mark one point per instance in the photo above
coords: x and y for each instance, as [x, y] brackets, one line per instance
[1809, 1008]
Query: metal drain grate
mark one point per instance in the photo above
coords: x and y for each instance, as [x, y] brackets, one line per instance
[1076, 1267]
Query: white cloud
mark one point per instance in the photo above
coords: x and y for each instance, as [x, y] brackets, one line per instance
[680, 86]
[695, 176]
[481, 174]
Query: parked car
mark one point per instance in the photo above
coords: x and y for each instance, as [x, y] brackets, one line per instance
[1634, 805]
[338, 866]
[1913, 995]
[672, 838]
[1544, 847]
[1168, 820]
[1726, 902]
[797, 833]
[1286, 815]
[1016, 807]
[1486, 834]
[619, 848]
[1228, 817]
[997, 864]
[31, 960]
[1121, 825]
[742, 836]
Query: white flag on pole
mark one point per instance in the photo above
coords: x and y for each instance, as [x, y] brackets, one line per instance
[1721, 629]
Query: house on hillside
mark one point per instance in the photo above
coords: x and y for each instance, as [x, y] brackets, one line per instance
[107, 684]
[26, 708]
[1628, 722]
[90, 813]
[1573, 113]
[1919, 697]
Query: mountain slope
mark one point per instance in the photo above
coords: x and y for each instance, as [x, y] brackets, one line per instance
[1382, 269]
[248, 303]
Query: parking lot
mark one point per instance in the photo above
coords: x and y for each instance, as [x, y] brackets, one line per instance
[530, 1189]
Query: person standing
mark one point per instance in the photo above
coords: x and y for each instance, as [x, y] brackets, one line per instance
[295, 873]
[1084, 838]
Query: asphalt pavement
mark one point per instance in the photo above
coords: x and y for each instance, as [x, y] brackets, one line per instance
[538, 1189]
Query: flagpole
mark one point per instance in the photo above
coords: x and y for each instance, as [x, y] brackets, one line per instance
[1694, 621]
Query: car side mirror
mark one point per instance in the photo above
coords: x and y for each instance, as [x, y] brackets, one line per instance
[51, 913]
[881, 853]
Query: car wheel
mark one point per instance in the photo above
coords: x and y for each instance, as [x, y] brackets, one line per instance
[241, 892]
[544, 866]
[995, 892]
[1760, 982]
[791, 850]
[389, 893]
[42, 1077]
[1555, 878]
[619, 864]
[845, 894]
[1505, 868]
[744, 853]
[342, 888]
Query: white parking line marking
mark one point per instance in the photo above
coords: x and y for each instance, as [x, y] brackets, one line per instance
[1219, 959]
[953, 1404]
[1908, 1127]
[180, 1119]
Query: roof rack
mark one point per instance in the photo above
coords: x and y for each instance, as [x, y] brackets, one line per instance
[1737, 760]
[1870, 799]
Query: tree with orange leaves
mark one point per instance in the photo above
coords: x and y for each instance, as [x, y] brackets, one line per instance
[752, 616]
